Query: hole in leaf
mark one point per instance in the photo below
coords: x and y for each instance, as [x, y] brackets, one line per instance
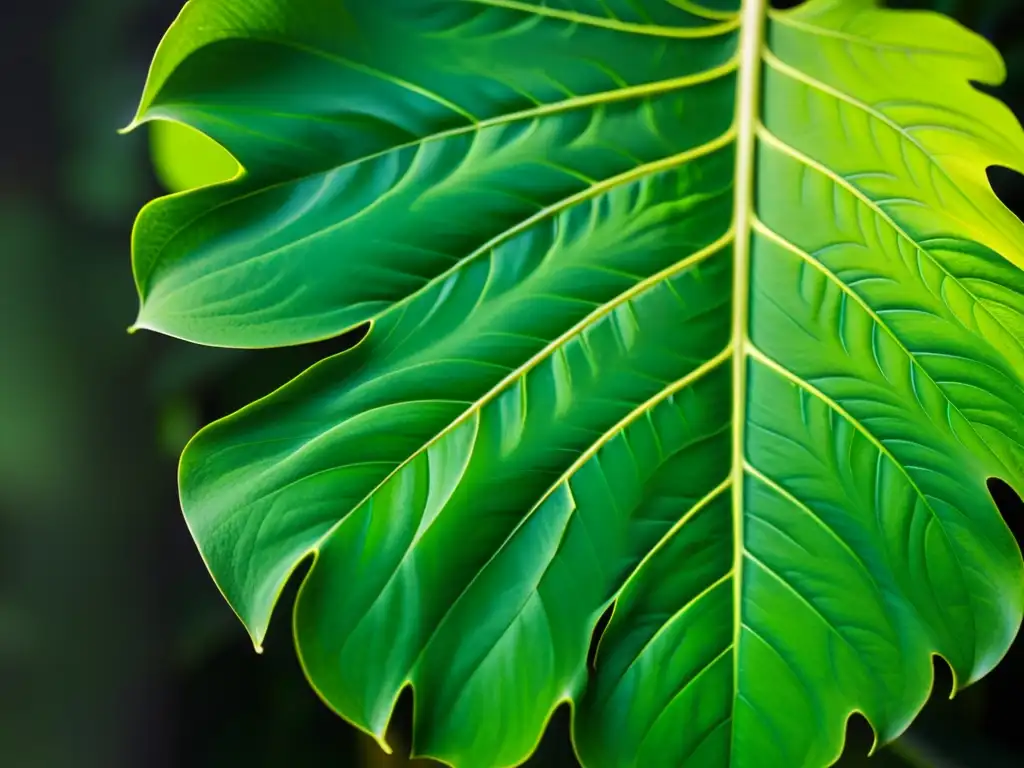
[860, 736]
[942, 678]
[399, 732]
[1008, 186]
[555, 747]
[598, 633]
[1010, 505]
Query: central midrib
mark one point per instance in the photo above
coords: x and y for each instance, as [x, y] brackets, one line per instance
[752, 23]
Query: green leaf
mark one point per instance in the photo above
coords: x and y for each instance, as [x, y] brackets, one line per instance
[184, 158]
[704, 313]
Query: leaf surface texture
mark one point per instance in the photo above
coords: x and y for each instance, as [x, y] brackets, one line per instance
[700, 311]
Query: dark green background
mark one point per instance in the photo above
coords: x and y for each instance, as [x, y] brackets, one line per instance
[115, 647]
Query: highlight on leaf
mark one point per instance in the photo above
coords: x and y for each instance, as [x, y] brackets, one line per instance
[698, 320]
[185, 159]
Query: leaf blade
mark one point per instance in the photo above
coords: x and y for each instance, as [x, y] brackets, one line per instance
[493, 466]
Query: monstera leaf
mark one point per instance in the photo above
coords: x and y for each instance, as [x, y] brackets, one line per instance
[700, 314]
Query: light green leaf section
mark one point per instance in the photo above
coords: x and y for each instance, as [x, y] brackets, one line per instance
[184, 158]
[703, 314]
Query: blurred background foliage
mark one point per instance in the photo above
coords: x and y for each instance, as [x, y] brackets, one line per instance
[116, 649]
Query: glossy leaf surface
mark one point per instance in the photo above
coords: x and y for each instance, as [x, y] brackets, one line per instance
[700, 311]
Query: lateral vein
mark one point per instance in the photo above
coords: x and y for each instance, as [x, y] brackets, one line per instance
[763, 229]
[575, 17]
[771, 139]
[543, 354]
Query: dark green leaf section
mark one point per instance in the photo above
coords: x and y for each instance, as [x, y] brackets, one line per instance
[431, 106]
[596, 373]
